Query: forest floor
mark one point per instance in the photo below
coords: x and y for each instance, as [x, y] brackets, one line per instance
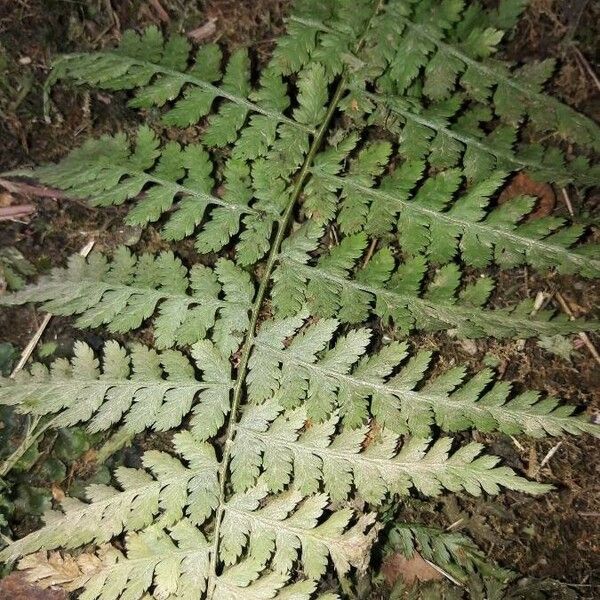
[555, 536]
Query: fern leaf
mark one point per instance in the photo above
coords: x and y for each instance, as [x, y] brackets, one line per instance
[143, 388]
[467, 143]
[106, 171]
[289, 522]
[422, 46]
[287, 427]
[340, 461]
[455, 553]
[304, 370]
[158, 70]
[124, 292]
[335, 286]
[163, 494]
[433, 222]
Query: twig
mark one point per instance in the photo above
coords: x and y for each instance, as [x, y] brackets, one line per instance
[204, 31]
[9, 213]
[550, 454]
[161, 13]
[567, 201]
[40, 330]
[455, 524]
[370, 252]
[442, 572]
[586, 66]
[518, 444]
[582, 335]
[19, 187]
[31, 435]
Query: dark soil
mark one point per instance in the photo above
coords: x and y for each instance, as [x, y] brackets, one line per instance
[555, 536]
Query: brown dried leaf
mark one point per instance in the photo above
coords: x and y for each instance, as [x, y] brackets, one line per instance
[410, 570]
[16, 587]
[523, 185]
[48, 569]
[203, 32]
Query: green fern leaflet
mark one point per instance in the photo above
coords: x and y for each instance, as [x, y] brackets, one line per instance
[335, 199]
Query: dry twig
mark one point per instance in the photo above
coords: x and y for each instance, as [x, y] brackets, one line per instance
[582, 335]
[9, 213]
[204, 32]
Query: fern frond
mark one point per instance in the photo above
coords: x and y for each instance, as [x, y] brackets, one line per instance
[452, 551]
[174, 496]
[304, 370]
[123, 292]
[281, 447]
[176, 564]
[422, 49]
[163, 494]
[178, 181]
[472, 141]
[335, 286]
[159, 180]
[430, 220]
[158, 70]
[143, 388]
[288, 426]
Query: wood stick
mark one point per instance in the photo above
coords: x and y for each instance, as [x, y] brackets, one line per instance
[20, 187]
[587, 67]
[582, 335]
[8, 213]
[567, 201]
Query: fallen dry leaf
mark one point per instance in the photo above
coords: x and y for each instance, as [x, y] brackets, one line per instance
[203, 32]
[397, 566]
[16, 587]
[523, 185]
[57, 493]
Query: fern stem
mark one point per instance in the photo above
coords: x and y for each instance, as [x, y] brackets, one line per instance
[272, 259]
[257, 305]
[30, 438]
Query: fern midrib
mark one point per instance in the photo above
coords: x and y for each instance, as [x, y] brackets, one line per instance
[188, 78]
[282, 226]
[115, 383]
[501, 413]
[493, 233]
[179, 188]
[282, 524]
[462, 314]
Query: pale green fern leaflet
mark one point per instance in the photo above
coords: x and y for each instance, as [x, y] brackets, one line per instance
[340, 284]
[293, 426]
